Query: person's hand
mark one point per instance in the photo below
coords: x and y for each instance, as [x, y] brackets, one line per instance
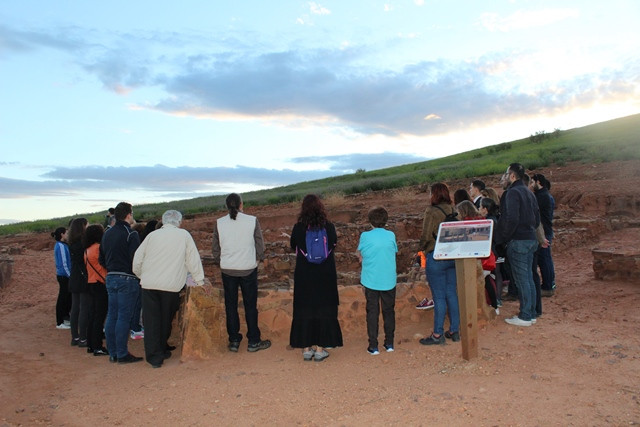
[545, 245]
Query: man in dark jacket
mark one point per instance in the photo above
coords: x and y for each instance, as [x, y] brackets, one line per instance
[516, 228]
[545, 260]
[118, 246]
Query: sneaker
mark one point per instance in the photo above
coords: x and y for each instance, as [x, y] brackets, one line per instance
[100, 352]
[262, 345]
[499, 303]
[129, 358]
[533, 320]
[388, 347]
[234, 346]
[63, 326]
[373, 351]
[137, 335]
[75, 341]
[516, 321]
[319, 356]
[453, 336]
[308, 355]
[67, 322]
[431, 340]
[497, 312]
[547, 292]
[83, 344]
[425, 304]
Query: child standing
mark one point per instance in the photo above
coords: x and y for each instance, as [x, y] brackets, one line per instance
[377, 251]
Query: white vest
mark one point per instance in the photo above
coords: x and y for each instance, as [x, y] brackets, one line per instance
[237, 244]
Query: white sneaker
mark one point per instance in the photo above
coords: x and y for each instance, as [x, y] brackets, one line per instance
[67, 322]
[516, 321]
[63, 326]
[497, 312]
[533, 321]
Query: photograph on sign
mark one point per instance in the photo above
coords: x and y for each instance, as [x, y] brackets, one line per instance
[464, 239]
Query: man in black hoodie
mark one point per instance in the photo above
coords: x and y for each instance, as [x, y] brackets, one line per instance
[118, 246]
[516, 228]
[545, 261]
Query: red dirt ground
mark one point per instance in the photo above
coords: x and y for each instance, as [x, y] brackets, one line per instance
[579, 365]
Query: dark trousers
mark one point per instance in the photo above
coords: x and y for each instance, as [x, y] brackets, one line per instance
[97, 314]
[377, 301]
[158, 310]
[536, 283]
[80, 307]
[249, 287]
[63, 304]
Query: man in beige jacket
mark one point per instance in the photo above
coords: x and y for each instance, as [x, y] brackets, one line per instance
[162, 262]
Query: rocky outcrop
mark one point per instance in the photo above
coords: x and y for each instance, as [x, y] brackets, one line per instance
[6, 269]
[617, 256]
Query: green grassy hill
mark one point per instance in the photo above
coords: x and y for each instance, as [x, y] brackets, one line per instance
[613, 140]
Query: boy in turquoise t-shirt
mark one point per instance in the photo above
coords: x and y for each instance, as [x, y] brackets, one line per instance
[377, 251]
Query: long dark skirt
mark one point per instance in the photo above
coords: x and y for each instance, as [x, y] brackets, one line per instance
[315, 326]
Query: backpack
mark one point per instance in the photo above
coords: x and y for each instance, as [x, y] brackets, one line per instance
[317, 245]
[453, 216]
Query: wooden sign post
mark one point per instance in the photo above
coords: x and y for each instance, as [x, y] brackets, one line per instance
[468, 302]
[465, 241]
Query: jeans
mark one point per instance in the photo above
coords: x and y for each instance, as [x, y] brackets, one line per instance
[249, 287]
[547, 269]
[123, 291]
[377, 300]
[520, 254]
[441, 276]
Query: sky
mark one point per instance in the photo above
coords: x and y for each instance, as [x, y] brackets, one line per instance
[148, 101]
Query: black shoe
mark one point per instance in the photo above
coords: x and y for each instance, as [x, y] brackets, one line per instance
[89, 350]
[75, 341]
[113, 359]
[547, 292]
[170, 347]
[431, 340]
[83, 344]
[156, 365]
[129, 358]
[167, 354]
[100, 352]
[234, 346]
[261, 345]
[453, 336]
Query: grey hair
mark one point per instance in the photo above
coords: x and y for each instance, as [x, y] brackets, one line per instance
[172, 217]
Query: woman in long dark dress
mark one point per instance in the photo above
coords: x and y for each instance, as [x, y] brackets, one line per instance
[78, 285]
[315, 325]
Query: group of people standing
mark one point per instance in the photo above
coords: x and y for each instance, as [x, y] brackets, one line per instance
[103, 274]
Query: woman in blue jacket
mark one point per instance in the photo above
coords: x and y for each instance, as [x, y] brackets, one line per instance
[63, 271]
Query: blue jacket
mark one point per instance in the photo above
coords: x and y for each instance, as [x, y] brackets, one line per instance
[63, 259]
[519, 215]
[118, 246]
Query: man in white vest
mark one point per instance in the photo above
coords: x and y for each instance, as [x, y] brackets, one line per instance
[238, 247]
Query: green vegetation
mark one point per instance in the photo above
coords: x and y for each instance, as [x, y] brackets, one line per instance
[617, 139]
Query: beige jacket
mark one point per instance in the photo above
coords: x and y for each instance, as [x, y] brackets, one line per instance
[165, 257]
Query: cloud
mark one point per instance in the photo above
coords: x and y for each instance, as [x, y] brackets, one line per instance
[232, 80]
[179, 181]
[352, 162]
[317, 9]
[525, 19]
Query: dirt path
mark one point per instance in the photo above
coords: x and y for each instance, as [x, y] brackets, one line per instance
[580, 365]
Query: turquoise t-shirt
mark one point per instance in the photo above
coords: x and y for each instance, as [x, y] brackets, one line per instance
[378, 248]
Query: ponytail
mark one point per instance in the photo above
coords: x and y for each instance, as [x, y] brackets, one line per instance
[233, 204]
